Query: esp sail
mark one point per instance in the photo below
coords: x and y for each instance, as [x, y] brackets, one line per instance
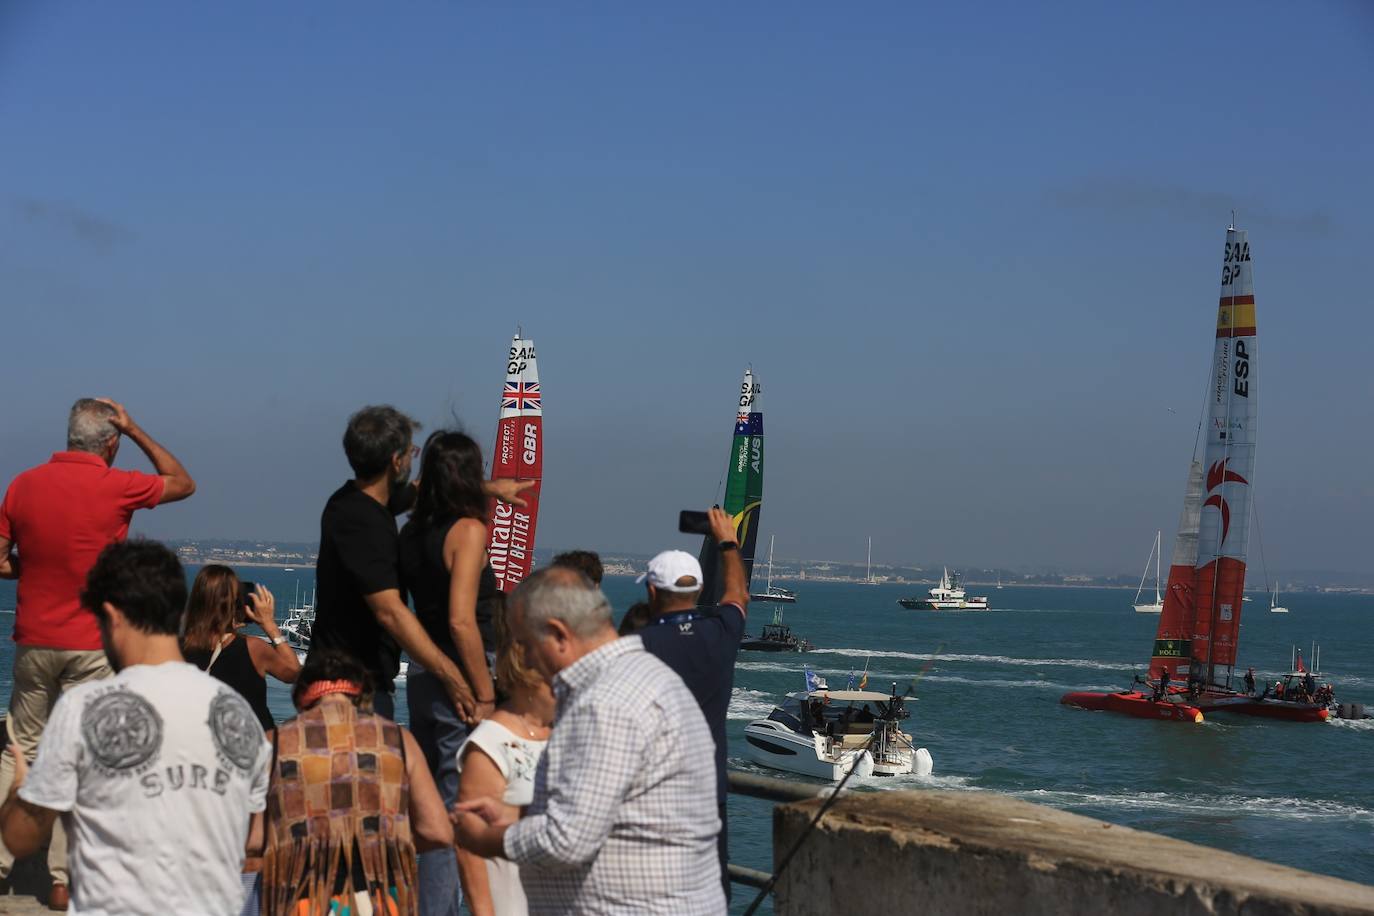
[1230, 434]
[743, 489]
[519, 454]
[1200, 623]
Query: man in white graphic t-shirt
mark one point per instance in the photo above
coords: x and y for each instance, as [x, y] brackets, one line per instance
[156, 772]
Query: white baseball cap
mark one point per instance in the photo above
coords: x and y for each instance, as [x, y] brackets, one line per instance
[669, 566]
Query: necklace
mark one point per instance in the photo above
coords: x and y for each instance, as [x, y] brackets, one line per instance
[525, 722]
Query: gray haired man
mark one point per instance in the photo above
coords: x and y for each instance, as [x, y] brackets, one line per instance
[624, 813]
[54, 521]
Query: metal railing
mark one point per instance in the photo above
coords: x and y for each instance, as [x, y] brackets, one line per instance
[774, 790]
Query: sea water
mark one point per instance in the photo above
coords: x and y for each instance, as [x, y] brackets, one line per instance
[987, 687]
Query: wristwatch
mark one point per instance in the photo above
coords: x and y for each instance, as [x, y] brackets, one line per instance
[277, 640]
[728, 545]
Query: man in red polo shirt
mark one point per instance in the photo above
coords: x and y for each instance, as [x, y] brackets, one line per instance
[54, 521]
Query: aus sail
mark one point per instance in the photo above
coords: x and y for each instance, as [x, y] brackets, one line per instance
[743, 499]
[1230, 434]
[519, 454]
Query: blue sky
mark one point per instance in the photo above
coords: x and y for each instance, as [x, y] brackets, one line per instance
[971, 251]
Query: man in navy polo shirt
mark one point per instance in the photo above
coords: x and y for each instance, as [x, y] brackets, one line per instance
[700, 643]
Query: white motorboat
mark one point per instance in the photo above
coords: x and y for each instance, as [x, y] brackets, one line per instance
[826, 733]
[1146, 607]
[949, 595]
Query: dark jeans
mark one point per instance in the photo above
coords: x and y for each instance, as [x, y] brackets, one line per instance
[439, 732]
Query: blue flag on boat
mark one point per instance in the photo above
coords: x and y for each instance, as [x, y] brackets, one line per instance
[812, 682]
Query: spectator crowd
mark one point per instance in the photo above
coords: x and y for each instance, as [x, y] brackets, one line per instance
[553, 763]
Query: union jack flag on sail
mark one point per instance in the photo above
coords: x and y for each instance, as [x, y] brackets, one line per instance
[521, 396]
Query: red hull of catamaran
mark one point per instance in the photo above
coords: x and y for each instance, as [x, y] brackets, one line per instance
[1265, 709]
[1132, 703]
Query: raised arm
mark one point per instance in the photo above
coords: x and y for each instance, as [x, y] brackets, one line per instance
[398, 620]
[177, 482]
[465, 553]
[736, 587]
[278, 660]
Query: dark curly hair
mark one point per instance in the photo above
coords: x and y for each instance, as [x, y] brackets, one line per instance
[144, 580]
[450, 479]
[586, 562]
[332, 665]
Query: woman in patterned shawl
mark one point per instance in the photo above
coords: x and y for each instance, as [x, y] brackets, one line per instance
[351, 800]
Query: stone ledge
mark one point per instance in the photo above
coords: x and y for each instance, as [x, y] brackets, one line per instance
[938, 852]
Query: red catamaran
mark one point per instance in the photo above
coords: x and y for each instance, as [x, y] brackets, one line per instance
[1192, 664]
[519, 453]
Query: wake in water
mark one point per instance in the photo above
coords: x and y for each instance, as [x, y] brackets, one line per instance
[1203, 806]
[984, 659]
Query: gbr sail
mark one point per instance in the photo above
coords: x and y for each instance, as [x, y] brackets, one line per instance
[743, 488]
[519, 454]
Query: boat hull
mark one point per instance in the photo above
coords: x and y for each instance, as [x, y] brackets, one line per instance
[771, 744]
[1283, 710]
[1133, 703]
[754, 644]
[772, 599]
[926, 604]
[1149, 608]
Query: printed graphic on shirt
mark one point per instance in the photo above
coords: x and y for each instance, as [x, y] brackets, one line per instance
[122, 731]
[235, 728]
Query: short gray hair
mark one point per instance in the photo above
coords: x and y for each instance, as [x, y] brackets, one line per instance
[564, 594]
[89, 426]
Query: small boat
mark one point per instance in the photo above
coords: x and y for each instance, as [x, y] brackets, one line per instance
[949, 595]
[826, 733]
[776, 637]
[1274, 606]
[300, 620]
[1158, 604]
[774, 593]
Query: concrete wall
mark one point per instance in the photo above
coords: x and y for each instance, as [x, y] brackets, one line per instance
[933, 853]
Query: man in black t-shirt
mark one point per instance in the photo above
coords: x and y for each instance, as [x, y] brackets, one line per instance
[700, 644]
[359, 605]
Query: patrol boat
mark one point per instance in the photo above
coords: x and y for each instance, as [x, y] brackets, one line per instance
[949, 595]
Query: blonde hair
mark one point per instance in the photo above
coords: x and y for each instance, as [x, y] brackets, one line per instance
[511, 671]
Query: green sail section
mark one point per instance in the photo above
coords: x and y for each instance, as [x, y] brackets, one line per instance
[743, 490]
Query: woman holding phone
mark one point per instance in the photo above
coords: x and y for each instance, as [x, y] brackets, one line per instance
[218, 607]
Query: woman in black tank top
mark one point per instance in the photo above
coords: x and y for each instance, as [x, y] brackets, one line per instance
[216, 609]
[443, 560]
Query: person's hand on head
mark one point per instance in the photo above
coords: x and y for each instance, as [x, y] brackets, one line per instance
[722, 525]
[121, 420]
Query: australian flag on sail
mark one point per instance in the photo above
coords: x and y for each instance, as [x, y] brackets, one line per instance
[521, 396]
[812, 681]
[749, 424]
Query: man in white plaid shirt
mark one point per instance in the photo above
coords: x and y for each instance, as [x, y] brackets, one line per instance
[624, 813]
